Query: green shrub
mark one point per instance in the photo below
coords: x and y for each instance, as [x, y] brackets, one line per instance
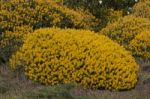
[140, 45]
[55, 56]
[113, 15]
[125, 29]
[94, 6]
[142, 9]
[41, 13]
[101, 10]
[11, 41]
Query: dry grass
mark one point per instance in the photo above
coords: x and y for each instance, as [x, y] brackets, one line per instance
[17, 87]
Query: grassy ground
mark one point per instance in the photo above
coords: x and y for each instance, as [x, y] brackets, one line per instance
[12, 87]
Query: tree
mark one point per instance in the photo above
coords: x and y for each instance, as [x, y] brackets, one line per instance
[101, 8]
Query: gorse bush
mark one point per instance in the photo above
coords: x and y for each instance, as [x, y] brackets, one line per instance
[41, 13]
[11, 41]
[125, 29]
[55, 56]
[140, 45]
[113, 15]
[142, 9]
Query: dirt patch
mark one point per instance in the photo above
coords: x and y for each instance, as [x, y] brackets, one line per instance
[147, 81]
[146, 68]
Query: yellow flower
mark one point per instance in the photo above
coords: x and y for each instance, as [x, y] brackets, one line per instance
[95, 62]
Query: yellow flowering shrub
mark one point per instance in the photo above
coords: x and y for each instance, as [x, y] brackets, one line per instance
[11, 41]
[114, 15]
[41, 13]
[55, 56]
[125, 29]
[142, 9]
[140, 45]
[107, 16]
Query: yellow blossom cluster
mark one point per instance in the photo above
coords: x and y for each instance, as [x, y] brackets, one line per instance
[41, 13]
[142, 9]
[125, 29]
[140, 45]
[11, 41]
[55, 56]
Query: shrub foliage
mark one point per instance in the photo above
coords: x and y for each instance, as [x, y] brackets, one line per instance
[41, 13]
[55, 56]
[11, 41]
[142, 9]
[140, 45]
[125, 29]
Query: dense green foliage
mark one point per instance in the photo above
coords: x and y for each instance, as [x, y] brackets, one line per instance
[91, 4]
[101, 8]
